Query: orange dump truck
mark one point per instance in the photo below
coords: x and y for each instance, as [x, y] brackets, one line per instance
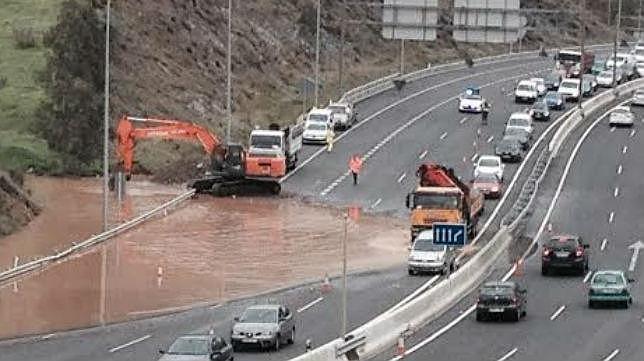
[273, 152]
[441, 197]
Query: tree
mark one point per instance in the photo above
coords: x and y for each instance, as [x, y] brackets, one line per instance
[70, 117]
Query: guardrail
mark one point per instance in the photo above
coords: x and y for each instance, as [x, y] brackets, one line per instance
[41, 262]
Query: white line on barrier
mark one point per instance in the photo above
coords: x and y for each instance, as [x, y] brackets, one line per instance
[128, 344]
[611, 217]
[443, 135]
[603, 246]
[422, 155]
[509, 354]
[310, 304]
[612, 355]
[587, 276]
[402, 177]
[616, 192]
[625, 149]
[557, 312]
[376, 203]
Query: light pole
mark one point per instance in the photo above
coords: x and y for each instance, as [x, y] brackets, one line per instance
[639, 22]
[317, 56]
[229, 111]
[582, 35]
[619, 20]
[341, 65]
[345, 239]
[106, 119]
[402, 56]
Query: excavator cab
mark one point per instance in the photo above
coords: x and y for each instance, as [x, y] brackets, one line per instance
[230, 163]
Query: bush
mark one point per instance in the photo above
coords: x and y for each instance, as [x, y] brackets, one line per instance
[24, 38]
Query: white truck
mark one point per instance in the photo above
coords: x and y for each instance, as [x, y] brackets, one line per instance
[275, 149]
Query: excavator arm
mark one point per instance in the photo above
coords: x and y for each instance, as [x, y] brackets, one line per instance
[128, 133]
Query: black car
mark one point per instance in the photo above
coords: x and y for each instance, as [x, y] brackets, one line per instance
[552, 81]
[565, 252]
[540, 111]
[520, 135]
[198, 348]
[501, 299]
[509, 149]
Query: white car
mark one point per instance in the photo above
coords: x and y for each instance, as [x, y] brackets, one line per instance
[320, 116]
[315, 132]
[541, 85]
[526, 91]
[640, 68]
[425, 256]
[521, 121]
[470, 103]
[638, 97]
[342, 115]
[605, 78]
[621, 117]
[569, 88]
[490, 164]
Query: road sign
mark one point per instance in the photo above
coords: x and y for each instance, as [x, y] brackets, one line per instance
[410, 19]
[488, 21]
[450, 234]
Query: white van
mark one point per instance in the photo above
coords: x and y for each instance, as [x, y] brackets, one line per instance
[317, 115]
[526, 91]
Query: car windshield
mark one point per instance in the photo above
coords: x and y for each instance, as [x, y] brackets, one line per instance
[562, 244]
[507, 144]
[471, 97]
[259, 315]
[487, 162]
[428, 246]
[337, 109]
[608, 279]
[495, 290]
[569, 85]
[552, 96]
[318, 117]
[524, 87]
[606, 74]
[518, 122]
[620, 112]
[189, 346]
[515, 132]
[265, 141]
[436, 201]
[316, 126]
[486, 178]
[540, 106]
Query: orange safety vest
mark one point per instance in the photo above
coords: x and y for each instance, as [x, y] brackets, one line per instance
[355, 164]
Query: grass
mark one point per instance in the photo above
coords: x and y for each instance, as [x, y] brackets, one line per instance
[21, 95]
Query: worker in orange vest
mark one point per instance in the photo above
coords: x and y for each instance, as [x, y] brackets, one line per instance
[355, 164]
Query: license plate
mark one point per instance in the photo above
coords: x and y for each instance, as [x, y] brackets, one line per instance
[562, 254]
[249, 340]
[496, 310]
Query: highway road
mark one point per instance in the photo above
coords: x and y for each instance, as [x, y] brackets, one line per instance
[422, 124]
[601, 200]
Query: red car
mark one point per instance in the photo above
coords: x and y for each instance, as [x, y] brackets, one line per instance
[488, 184]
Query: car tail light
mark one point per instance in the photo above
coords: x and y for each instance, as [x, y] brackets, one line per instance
[579, 252]
[546, 252]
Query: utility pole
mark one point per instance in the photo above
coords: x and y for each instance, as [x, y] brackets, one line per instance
[582, 36]
[402, 56]
[229, 111]
[341, 65]
[619, 21]
[610, 9]
[106, 120]
[345, 239]
[639, 22]
[317, 56]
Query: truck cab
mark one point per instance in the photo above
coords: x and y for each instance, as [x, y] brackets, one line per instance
[273, 152]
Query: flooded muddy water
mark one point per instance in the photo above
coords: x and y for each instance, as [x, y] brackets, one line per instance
[209, 250]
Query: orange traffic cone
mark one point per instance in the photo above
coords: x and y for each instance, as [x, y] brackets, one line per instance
[326, 286]
[400, 347]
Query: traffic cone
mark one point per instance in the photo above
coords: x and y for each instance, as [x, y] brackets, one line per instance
[326, 286]
[400, 347]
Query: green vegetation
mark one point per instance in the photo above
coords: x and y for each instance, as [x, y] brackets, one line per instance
[21, 95]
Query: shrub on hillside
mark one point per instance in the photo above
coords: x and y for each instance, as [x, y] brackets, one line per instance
[71, 116]
[24, 38]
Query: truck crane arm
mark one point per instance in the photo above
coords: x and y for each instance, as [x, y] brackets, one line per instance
[128, 133]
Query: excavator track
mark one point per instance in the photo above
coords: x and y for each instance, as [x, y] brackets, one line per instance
[221, 187]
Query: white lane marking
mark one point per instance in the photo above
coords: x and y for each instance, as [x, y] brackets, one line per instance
[557, 312]
[611, 217]
[587, 277]
[616, 192]
[402, 177]
[423, 154]
[443, 135]
[620, 169]
[490, 139]
[612, 129]
[474, 157]
[632, 133]
[612, 355]
[603, 246]
[509, 354]
[463, 120]
[413, 295]
[401, 101]
[376, 203]
[310, 304]
[625, 149]
[636, 247]
[128, 344]
[436, 334]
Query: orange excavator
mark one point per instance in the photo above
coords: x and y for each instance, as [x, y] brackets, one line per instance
[227, 173]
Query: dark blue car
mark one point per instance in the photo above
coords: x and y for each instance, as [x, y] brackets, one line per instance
[555, 100]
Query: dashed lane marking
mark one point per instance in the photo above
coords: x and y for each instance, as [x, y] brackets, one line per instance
[402, 177]
[463, 120]
[376, 203]
[557, 312]
[612, 129]
[620, 169]
[490, 139]
[128, 344]
[632, 133]
[310, 304]
[443, 135]
[422, 155]
[603, 246]
[616, 192]
[509, 354]
[625, 149]
[611, 217]
[612, 355]
[587, 276]
[474, 157]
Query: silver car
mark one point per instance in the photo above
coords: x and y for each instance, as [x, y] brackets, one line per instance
[266, 326]
[198, 348]
[638, 97]
[621, 116]
[425, 256]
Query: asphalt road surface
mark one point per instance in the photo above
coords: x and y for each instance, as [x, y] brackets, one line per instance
[423, 124]
[602, 201]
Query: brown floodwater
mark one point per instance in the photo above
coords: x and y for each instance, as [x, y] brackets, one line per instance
[209, 250]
